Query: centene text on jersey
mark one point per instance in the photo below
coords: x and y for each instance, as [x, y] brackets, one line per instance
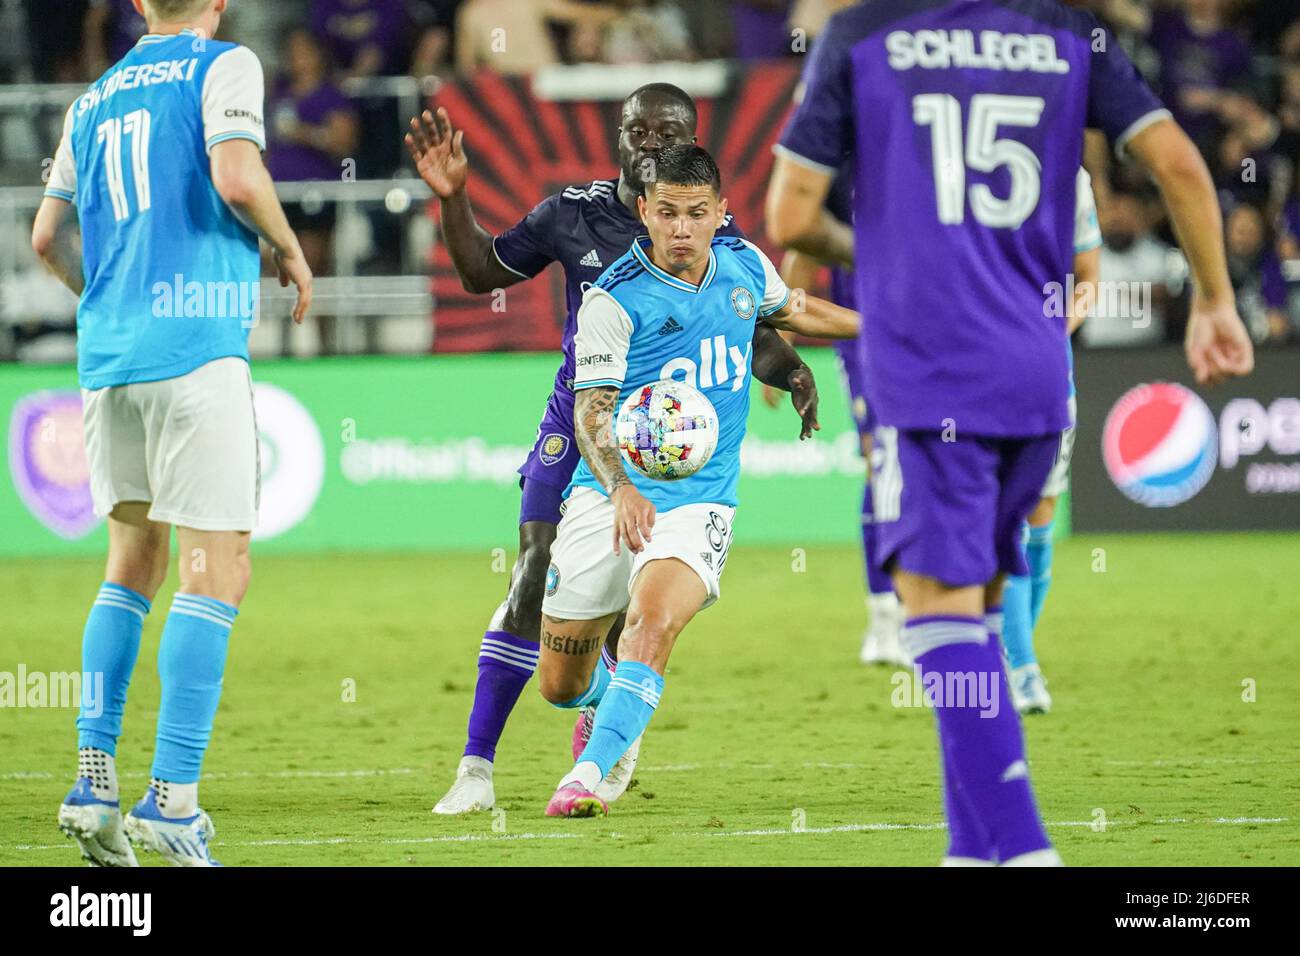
[146, 74]
[961, 50]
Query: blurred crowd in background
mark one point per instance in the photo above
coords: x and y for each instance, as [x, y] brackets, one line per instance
[1228, 69]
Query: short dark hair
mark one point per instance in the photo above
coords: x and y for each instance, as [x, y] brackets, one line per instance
[668, 91]
[684, 165]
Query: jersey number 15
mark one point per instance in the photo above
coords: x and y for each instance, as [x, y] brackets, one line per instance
[983, 152]
[110, 132]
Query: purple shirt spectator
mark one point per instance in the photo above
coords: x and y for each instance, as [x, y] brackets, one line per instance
[1189, 60]
[290, 161]
[761, 31]
[348, 27]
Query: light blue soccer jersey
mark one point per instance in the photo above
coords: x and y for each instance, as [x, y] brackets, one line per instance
[171, 274]
[639, 324]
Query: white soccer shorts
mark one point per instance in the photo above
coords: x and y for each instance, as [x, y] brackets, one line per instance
[188, 445]
[587, 580]
[1058, 480]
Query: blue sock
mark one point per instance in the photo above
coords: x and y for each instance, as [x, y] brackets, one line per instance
[1018, 619]
[623, 715]
[109, 646]
[596, 688]
[1039, 555]
[191, 662]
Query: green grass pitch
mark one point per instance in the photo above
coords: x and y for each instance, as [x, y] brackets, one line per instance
[1173, 661]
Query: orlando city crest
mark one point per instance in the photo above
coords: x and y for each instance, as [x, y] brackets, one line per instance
[553, 448]
[742, 300]
[47, 458]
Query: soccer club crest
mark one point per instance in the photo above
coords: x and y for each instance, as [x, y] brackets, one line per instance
[553, 448]
[47, 458]
[552, 580]
[742, 300]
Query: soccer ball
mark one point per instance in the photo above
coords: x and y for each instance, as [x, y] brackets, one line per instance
[667, 430]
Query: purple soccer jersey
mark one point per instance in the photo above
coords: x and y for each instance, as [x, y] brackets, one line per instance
[295, 161]
[585, 229]
[965, 122]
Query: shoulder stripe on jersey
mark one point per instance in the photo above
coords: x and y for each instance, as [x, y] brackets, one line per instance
[611, 282]
[777, 308]
[504, 263]
[59, 193]
[597, 190]
[801, 160]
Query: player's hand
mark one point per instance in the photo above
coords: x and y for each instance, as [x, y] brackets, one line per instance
[1218, 346]
[293, 268]
[803, 395]
[634, 517]
[438, 152]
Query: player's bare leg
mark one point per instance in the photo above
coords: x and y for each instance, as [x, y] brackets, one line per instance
[215, 570]
[666, 594]
[989, 804]
[136, 567]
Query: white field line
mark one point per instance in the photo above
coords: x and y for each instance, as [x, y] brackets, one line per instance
[235, 775]
[805, 831]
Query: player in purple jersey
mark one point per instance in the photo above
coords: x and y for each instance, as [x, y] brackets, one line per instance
[965, 122]
[585, 229]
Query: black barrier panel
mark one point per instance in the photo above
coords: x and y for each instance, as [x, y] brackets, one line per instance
[1156, 453]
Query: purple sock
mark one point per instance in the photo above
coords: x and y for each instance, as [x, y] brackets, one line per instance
[979, 732]
[878, 581]
[505, 662]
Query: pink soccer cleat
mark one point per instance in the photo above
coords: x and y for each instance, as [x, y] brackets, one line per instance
[582, 731]
[574, 800]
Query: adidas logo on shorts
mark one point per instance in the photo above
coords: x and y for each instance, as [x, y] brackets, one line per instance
[670, 326]
[591, 259]
[708, 557]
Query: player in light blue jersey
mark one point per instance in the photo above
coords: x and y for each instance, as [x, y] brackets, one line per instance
[681, 304]
[162, 157]
[1024, 596]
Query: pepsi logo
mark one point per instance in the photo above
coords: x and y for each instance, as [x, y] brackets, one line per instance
[1159, 444]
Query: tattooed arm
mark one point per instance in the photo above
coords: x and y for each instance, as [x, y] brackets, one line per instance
[593, 420]
[600, 348]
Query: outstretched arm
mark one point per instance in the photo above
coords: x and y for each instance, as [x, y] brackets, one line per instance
[439, 154]
[818, 318]
[777, 364]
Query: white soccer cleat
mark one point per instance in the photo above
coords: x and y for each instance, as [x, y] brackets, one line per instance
[472, 789]
[1029, 690]
[96, 825]
[181, 841]
[882, 643]
[619, 777]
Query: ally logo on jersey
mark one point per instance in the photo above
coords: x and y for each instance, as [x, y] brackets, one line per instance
[1160, 444]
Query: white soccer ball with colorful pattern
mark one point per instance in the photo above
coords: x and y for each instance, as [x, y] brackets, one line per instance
[667, 430]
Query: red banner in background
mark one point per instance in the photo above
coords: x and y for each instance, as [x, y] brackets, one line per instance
[522, 149]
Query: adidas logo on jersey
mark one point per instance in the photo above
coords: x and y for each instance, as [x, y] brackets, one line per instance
[591, 259]
[670, 326]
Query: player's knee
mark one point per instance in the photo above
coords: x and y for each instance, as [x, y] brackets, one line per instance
[142, 567]
[560, 687]
[645, 632]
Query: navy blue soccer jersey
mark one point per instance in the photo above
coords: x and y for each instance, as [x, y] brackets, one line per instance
[585, 229]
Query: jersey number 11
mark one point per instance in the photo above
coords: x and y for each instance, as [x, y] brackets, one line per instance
[135, 125]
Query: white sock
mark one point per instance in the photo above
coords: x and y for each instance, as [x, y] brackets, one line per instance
[100, 768]
[176, 799]
[585, 773]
